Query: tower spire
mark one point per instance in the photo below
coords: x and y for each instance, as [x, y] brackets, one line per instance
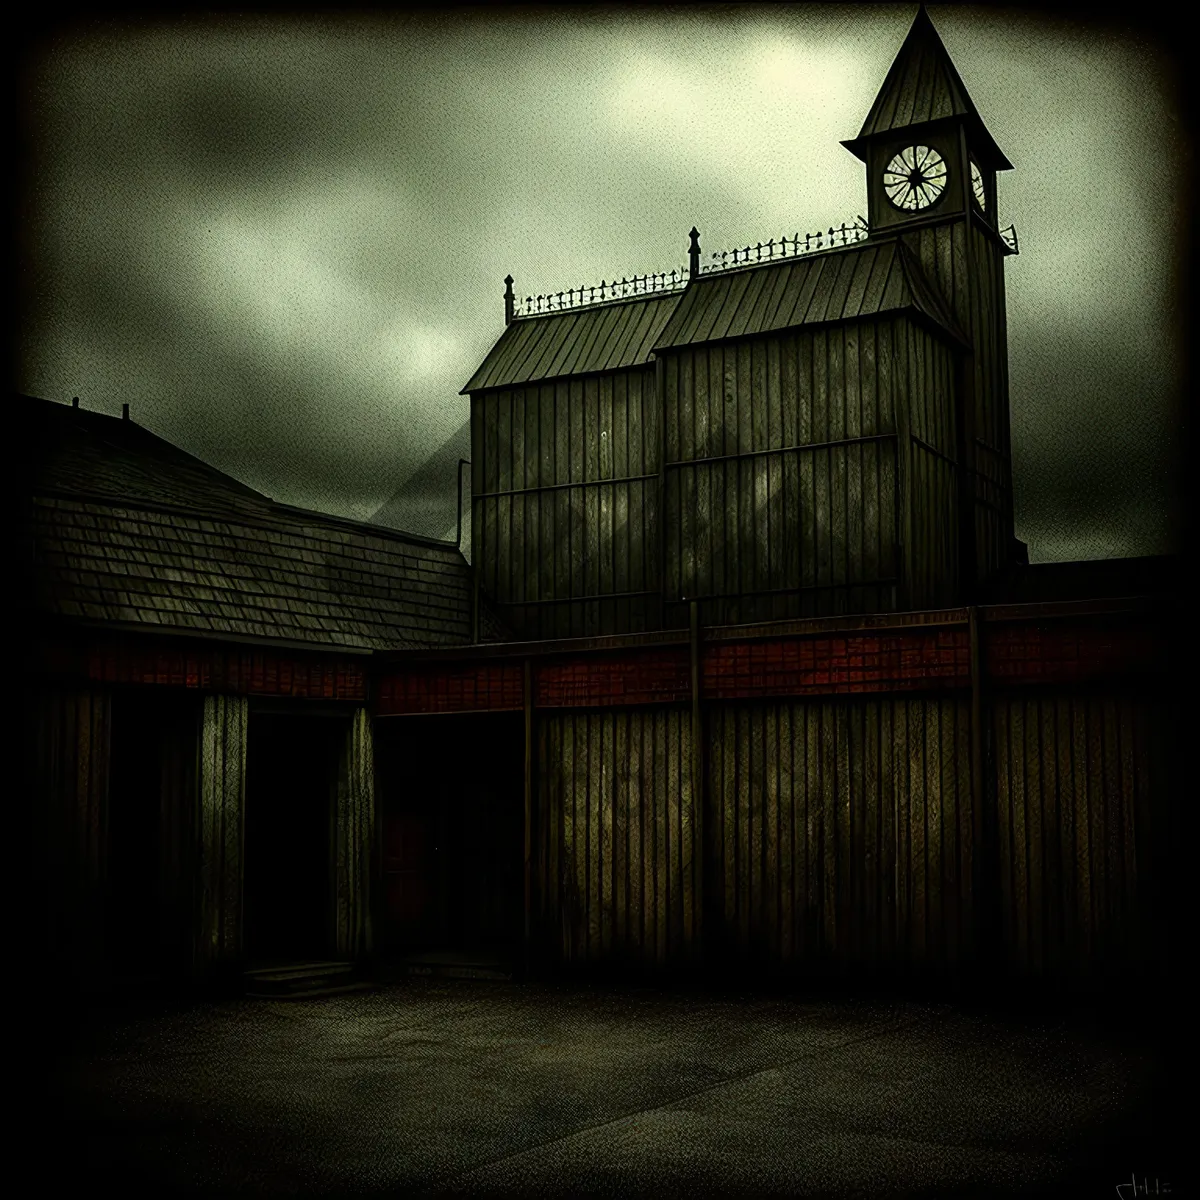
[922, 86]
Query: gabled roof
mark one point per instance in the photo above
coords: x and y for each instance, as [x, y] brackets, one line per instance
[923, 85]
[858, 281]
[77, 450]
[603, 337]
[123, 528]
[288, 579]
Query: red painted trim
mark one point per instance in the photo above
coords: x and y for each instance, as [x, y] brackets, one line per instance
[1052, 652]
[230, 669]
[919, 659]
[1068, 648]
[1027, 648]
[452, 687]
[608, 680]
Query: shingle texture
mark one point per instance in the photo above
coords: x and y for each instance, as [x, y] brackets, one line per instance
[123, 527]
[839, 285]
[605, 337]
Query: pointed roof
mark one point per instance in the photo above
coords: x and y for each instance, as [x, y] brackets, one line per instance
[923, 85]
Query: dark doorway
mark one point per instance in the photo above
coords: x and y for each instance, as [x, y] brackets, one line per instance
[134, 834]
[452, 790]
[291, 777]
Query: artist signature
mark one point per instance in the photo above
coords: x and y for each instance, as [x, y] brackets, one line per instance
[1147, 1187]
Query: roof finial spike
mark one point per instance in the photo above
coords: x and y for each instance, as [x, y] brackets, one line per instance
[125, 411]
[694, 253]
[74, 401]
[509, 302]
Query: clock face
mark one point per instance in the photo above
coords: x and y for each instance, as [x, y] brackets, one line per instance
[915, 178]
[977, 188]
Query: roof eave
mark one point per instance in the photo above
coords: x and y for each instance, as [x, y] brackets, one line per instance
[988, 152]
[858, 147]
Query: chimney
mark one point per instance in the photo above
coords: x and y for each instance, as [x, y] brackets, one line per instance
[694, 253]
[124, 412]
[508, 299]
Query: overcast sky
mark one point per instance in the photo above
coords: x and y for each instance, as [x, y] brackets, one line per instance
[282, 240]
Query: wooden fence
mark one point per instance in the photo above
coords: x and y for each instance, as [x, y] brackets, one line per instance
[930, 794]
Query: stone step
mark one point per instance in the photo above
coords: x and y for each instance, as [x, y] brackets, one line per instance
[312, 993]
[302, 979]
[297, 970]
[454, 965]
[456, 971]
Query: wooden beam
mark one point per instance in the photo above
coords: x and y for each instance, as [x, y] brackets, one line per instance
[660, 399]
[528, 812]
[836, 443]
[474, 596]
[980, 856]
[697, 767]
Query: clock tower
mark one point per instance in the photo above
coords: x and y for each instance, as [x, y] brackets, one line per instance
[931, 183]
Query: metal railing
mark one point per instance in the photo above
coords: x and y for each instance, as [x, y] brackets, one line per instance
[626, 288]
[602, 293]
[795, 246]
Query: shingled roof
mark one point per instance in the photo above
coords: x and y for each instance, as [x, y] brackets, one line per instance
[837, 285]
[923, 85]
[123, 528]
[77, 451]
[602, 337]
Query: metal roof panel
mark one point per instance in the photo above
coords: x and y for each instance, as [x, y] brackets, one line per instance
[601, 337]
[839, 285]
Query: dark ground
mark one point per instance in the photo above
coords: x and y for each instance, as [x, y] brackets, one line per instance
[467, 1087]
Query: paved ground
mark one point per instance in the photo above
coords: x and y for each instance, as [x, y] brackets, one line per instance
[471, 1088]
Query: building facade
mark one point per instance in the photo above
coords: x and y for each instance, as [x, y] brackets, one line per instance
[748, 673]
[812, 427]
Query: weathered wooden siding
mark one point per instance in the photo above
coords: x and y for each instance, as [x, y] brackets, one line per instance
[930, 475]
[836, 831]
[781, 494]
[942, 253]
[967, 265]
[354, 839]
[67, 765]
[221, 834]
[617, 838]
[991, 435]
[1080, 780]
[840, 831]
[565, 496]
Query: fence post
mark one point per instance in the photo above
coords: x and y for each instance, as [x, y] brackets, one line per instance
[528, 706]
[462, 462]
[984, 866]
[697, 766]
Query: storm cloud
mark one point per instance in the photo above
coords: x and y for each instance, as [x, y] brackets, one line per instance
[282, 240]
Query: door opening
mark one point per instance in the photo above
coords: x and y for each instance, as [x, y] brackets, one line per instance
[291, 777]
[134, 835]
[452, 790]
